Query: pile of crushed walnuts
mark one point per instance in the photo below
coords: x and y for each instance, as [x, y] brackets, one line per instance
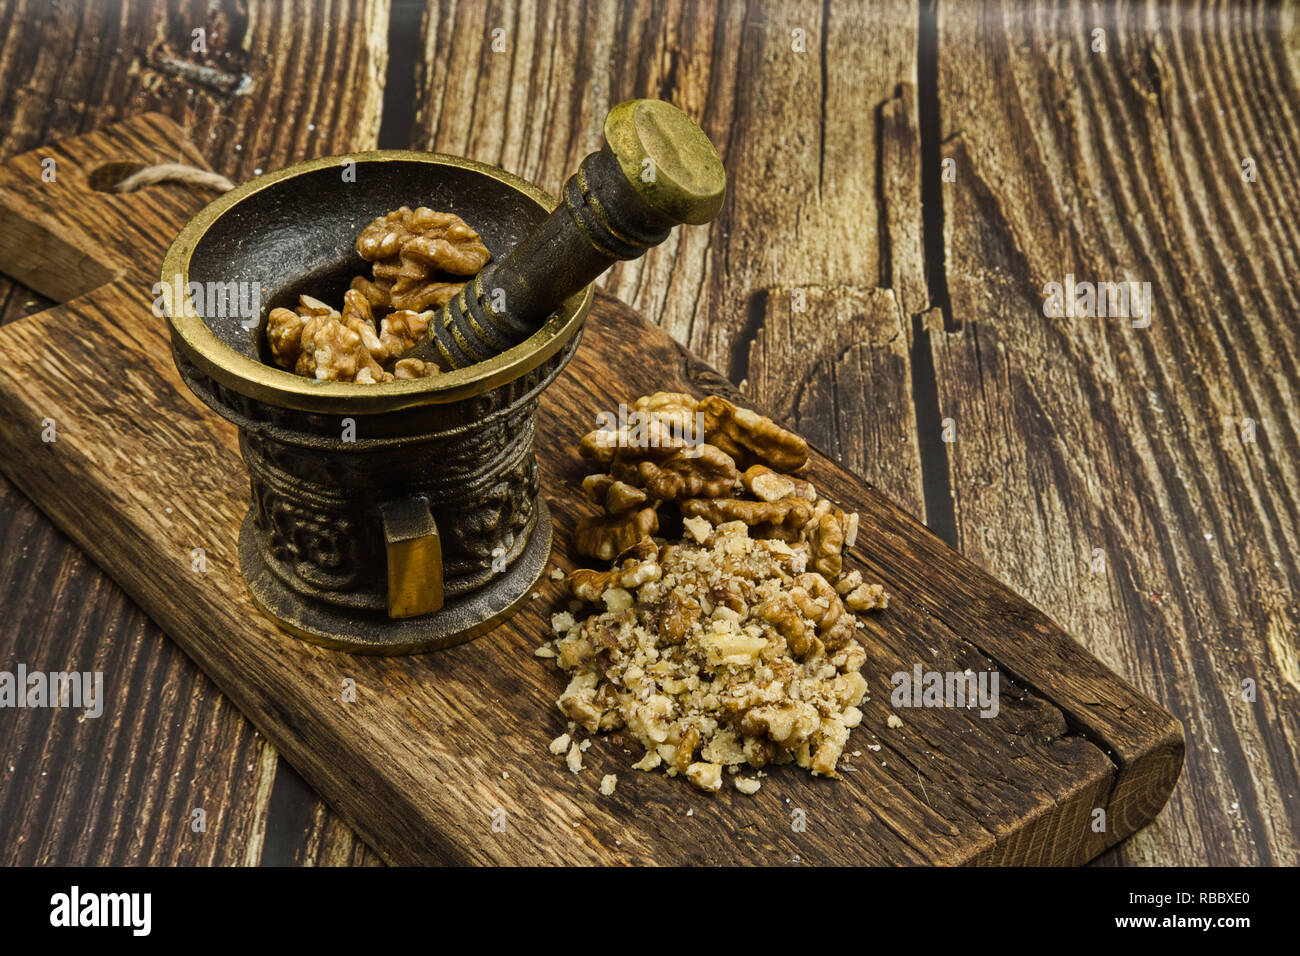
[413, 252]
[734, 646]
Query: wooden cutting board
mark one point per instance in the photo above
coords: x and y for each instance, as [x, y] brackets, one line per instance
[442, 757]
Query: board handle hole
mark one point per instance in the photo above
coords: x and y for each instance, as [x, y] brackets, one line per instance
[107, 176]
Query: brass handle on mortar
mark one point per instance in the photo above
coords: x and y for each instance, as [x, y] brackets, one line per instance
[656, 170]
[414, 557]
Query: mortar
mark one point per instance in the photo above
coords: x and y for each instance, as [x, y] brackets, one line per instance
[408, 516]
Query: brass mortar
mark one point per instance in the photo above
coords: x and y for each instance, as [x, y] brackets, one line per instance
[407, 516]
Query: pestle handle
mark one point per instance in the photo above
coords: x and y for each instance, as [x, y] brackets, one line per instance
[656, 170]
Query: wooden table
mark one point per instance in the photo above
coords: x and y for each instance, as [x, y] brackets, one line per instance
[920, 176]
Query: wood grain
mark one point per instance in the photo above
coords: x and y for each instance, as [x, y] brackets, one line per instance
[1087, 436]
[317, 72]
[435, 745]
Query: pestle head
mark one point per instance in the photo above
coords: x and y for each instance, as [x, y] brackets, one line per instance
[668, 160]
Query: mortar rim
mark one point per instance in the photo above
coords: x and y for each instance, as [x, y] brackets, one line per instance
[246, 376]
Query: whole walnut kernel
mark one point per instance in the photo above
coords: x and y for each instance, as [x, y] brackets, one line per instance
[616, 496]
[828, 532]
[284, 336]
[782, 519]
[750, 438]
[332, 352]
[402, 329]
[650, 438]
[675, 409]
[376, 293]
[692, 473]
[408, 247]
[607, 536]
[390, 235]
[358, 317]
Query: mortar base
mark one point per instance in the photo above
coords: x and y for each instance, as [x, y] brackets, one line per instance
[460, 619]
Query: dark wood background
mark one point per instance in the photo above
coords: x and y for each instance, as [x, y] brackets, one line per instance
[1073, 438]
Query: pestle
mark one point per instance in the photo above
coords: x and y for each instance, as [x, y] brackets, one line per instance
[656, 170]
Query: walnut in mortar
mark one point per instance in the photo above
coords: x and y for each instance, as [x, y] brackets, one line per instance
[383, 316]
[408, 247]
[314, 341]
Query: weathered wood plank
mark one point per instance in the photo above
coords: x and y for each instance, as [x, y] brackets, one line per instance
[821, 153]
[316, 71]
[1100, 468]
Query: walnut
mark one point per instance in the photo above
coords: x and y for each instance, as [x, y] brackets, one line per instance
[783, 614]
[308, 306]
[672, 402]
[818, 601]
[788, 723]
[407, 247]
[430, 295]
[859, 596]
[768, 485]
[706, 776]
[616, 496]
[690, 743]
[782, 519]
[640, 438]
[607, 536]
[358, 316]
[751, 438]
[703, 471]
[676, 411]
[284, 336]
[333, 352]
[402, 329]
[409, 368]
[378, 294]
[588, 585]
[827, 532]
[677, 616]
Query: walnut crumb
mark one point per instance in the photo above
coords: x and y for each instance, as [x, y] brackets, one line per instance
[894, 721]
[748, 785]
[574, 759]
[559, 745]
[608, 783]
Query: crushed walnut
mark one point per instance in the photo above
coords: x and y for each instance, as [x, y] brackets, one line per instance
[412, 253]
[735, 645]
